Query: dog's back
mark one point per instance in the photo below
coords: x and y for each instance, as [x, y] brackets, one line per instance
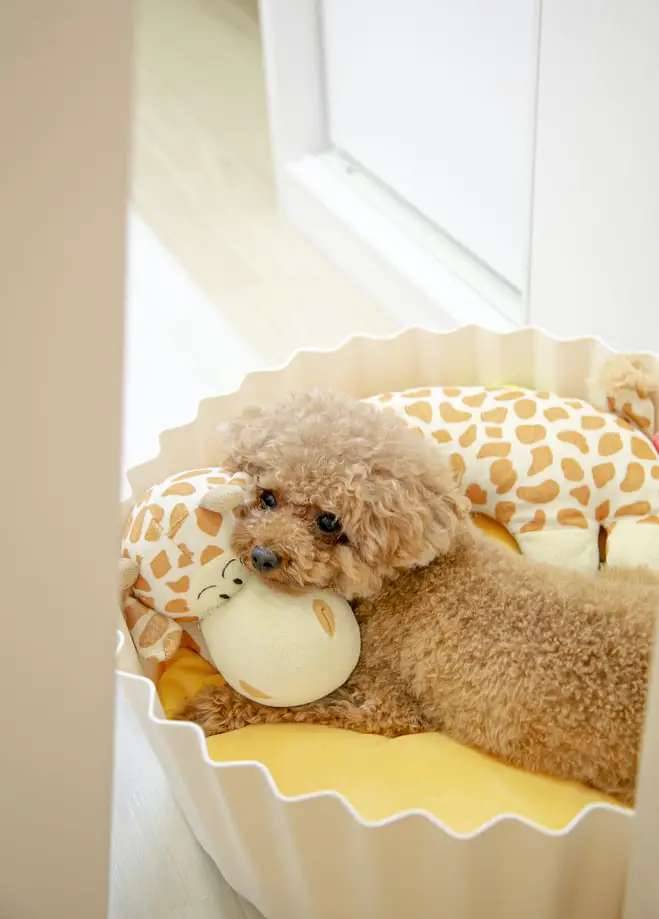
[544, 668]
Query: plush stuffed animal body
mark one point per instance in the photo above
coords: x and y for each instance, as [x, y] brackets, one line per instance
[178, 567]
[551, 470]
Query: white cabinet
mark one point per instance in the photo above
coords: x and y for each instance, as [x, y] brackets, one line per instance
[477, 161]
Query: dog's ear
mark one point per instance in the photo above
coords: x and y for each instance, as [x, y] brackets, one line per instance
[414, 510]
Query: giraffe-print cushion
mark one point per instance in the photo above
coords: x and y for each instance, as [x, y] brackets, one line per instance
[552, 470]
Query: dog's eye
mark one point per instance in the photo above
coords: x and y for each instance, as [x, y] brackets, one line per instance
[268, 499]
[328, 523]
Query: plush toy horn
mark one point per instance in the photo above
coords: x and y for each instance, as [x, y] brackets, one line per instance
[223, 498]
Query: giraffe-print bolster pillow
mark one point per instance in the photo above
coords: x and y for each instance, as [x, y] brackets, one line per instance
[553, 471]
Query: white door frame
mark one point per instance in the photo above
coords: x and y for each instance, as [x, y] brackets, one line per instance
[415, 272]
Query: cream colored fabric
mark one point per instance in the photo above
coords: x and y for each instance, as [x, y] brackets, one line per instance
[283, 650]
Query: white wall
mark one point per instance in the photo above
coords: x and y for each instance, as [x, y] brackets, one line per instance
[64, 99]
[436, 99]
[595, 260]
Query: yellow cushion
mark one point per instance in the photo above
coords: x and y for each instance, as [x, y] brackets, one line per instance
[382, 777]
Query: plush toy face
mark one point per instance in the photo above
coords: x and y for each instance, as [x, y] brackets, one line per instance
[180, 535]
[212, 585]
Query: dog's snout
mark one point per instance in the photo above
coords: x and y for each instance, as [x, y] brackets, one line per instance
[264, 559]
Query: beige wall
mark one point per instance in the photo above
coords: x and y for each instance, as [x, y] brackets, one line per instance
[64, 102]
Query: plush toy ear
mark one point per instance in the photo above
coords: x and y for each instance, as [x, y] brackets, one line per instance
[222, 498]
[129, 571]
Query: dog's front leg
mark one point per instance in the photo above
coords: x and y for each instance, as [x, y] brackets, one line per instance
[368, 704]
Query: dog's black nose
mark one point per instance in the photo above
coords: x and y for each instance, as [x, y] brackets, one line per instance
[264, 559]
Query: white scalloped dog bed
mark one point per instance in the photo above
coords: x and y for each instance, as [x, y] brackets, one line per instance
[313, 856]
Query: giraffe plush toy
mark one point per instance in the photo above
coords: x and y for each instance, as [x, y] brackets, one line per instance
[553, 471]
[177, 567]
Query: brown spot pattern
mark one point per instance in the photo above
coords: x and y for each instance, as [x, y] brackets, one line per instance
[603, 510]
[451, 391]
[495, 415]
[503, 475]
[209, 553]
[420, 410]
[624, 424]
[539, 494]
[634, 478]
[476, 400]
[181, 488]
[217, 479]
[177, 606]
[154, 630]
[136, 529]
[504, 512]
[500, 448]
[450, 414]
[179, 586]
[571, 517]
[609, 444]
[650, 520]
[575, 438]
[208, 521]
[592, 422]
[638, 509]
[638, 420]
[574, 403]
[253, 691]
[582, 494]
[542, 457]
[476, 494]
[468, 437]
[160, 565]
[530, 433]
[133, 612]
[509, 394]
[643, 449]
[171, 643]
[418, 394]
[176, 518]
[493, 431]
[191, 474]
[572, 469]
[442, 437]
[603, 473]
[386, 397]
[655, 472]
[141, 584]
[184, 560]
[525, 408]
[127, 526]
[458, 466]
[533, 526]
[556, 413]
[153, 532]
[325, 616]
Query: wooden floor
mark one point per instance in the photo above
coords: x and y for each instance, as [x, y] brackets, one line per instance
[203, 181]
[218, 285]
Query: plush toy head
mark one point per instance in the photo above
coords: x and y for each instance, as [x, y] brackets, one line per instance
[179, 534]
[177, 558]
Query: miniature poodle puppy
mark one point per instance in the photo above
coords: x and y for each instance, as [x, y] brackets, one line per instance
[543, 668]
